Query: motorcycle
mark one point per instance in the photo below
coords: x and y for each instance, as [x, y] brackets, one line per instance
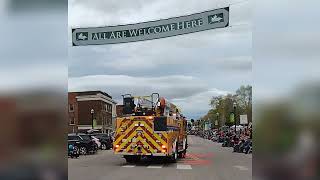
[244, 146]
[226, 142]
[73, 151]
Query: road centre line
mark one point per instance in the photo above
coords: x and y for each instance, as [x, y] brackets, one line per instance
[242, 168]
[129, 166]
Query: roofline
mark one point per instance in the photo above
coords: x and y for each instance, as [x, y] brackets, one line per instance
[93, 91]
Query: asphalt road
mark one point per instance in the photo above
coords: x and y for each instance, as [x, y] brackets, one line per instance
[205, 160]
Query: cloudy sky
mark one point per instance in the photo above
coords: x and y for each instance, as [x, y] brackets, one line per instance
[187, 70]
[286, 45]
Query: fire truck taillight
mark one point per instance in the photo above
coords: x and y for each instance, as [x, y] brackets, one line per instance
[163, 146]
[117, 146]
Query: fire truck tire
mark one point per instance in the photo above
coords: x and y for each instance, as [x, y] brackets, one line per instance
[182, 154]
[175, 155]
[132, 159]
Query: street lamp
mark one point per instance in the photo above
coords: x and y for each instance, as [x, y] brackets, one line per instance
[92, 112]
[234, 117]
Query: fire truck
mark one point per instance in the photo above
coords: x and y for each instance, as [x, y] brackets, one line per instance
[150, 126]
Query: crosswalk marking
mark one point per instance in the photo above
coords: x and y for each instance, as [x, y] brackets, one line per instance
[242, 168]
[129, 166]
[183, 166]
[155, 167]
[179, 166]
[194, 159]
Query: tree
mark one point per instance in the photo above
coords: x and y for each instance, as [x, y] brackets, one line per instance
[224, 106]
[244, 96]
[244, 101]
[216, 101]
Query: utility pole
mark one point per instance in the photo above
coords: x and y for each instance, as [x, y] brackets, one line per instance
[92, 112]
[234, 117]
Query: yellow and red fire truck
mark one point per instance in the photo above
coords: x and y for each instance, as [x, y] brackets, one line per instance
[150, 126]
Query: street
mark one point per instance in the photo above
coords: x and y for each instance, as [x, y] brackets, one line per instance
[205, 160]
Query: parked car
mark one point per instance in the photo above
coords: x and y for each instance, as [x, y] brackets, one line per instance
[94, 139]
[105, 139]
[84, 143]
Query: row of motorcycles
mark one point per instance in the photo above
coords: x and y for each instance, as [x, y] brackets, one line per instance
[228, 139]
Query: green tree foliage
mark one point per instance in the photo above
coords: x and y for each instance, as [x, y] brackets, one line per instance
[244, 100]
[222, 106]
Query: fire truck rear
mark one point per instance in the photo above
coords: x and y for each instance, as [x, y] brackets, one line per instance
[150, 127]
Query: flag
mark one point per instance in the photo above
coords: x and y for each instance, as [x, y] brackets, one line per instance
[94, 123]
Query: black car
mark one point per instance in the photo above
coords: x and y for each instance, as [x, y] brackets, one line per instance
[83, 142]
[89, 137]
[105, 139]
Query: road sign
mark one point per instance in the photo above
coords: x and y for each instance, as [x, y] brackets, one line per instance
[218, 18]
[243, 119]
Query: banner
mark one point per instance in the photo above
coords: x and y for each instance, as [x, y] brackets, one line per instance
[207, 126]
[243, 119]
[231, 118]
[218, 18]
[94, 123]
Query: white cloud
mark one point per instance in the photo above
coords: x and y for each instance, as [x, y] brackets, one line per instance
[32, 76]
[189, 93]
[286, 43]
[198, 104]
[115, 12]
[175, 86]
[181, 50]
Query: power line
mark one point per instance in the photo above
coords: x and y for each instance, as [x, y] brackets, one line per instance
[239, 2]
[231, 4]
[235, 25]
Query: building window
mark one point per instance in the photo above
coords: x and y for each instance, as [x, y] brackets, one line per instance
[109, 108]
[72, 121]
[71, 108]
[109, 121]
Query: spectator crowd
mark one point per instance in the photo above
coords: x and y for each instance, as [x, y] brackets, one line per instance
[240, 139]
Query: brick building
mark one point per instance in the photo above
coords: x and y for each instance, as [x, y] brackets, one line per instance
[80, 105]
